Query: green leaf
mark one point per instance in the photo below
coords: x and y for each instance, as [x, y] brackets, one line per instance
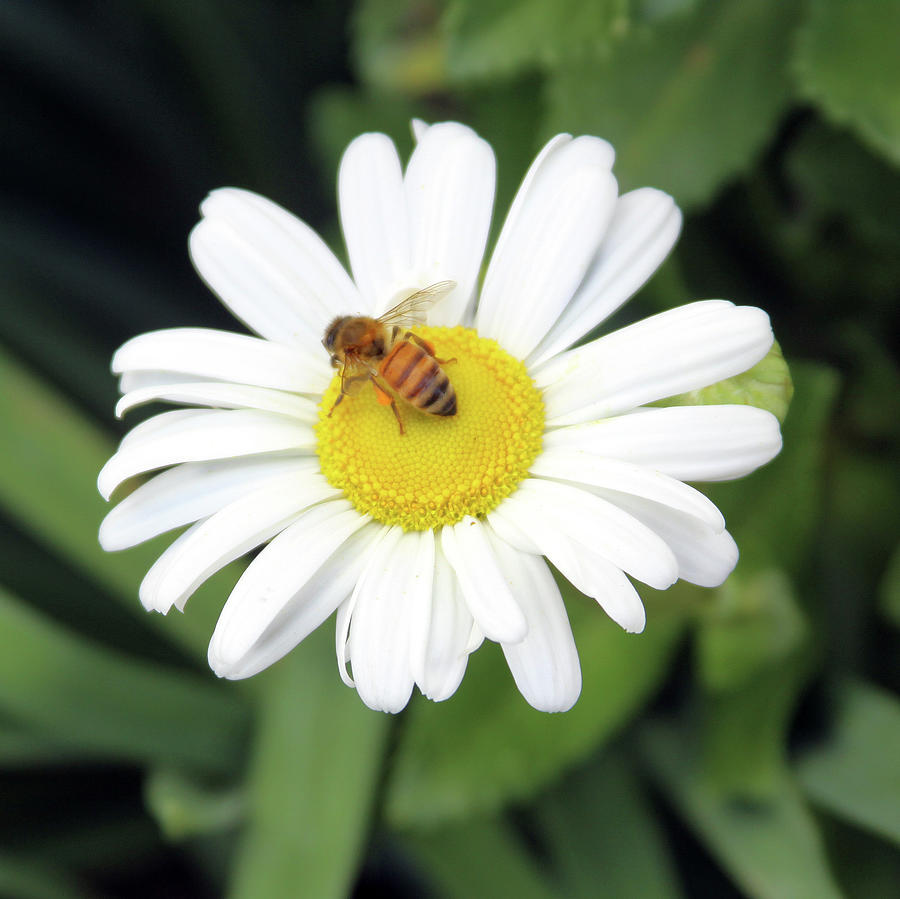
[110, 704]
[600, 828]
[767, 386]
[687, 104]
[48, 484]
[752, 660]
[847, 63]
[398, 47]
[312, 781]
[855, 773]
[493, 39]
[657, 10]
[487, 746]
[771, 531]
[744, 732]
[771, 849]
[752, 623]
[185, 806]
[23, 747]
[480, 857]
[36, 880]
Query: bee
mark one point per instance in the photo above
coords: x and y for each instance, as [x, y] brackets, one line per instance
[384, 351]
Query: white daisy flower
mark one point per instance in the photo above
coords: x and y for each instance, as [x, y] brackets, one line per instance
[426, 542]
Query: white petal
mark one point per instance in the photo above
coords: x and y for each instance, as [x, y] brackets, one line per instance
[449, 186]
[507, 529]
[476, 638]
[643, 229]
[280, 576]
[220, 355]
[386, 626]
[679, 350]
[214, 435]
[691, 443]
[484, 586]
[232, 531]
[449, 633]
[342, 625]
[374, 219]
[133, 380]
[610, 586]
[187, 493]
[165, 422]
[547, 246]
[593, 146]
[545, 664]
[257, 292]
[582, 565]
[420, 604]
[624, 477]
[329, 586]
[550, 512]
[223, 396]
[372, 559]
[705, 557]
[271, 269]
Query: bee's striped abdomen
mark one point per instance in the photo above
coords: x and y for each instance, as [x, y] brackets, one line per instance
[417, 378]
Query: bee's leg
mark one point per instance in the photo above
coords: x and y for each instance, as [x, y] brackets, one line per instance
[344, 391]
[386, 399]
[428, 346]
[337, 402]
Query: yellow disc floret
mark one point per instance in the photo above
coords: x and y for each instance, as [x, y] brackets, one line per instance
[442, 468]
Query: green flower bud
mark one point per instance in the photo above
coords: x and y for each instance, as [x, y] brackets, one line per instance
[767, 385]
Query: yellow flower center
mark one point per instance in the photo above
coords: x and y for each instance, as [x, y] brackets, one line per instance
[443, 467]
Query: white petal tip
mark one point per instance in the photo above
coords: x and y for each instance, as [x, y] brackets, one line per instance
[222, 666]
[218, 668]
[438, 695]
[107, 539]
[441, 689]
[106, 482]
[392, 705]
[555, 703]
[149, 602]
[154, 598]
[512, 631]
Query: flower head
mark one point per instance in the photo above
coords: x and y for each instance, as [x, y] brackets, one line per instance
[427, 537]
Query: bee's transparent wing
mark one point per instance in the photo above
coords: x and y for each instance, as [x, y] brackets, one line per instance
[411, 311]
[353, 384]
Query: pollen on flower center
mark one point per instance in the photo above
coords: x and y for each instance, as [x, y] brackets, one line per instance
[442, 468]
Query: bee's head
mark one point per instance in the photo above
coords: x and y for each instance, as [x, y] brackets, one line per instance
[329, 341]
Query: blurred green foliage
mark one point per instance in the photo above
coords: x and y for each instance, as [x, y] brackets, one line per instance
[746, 744]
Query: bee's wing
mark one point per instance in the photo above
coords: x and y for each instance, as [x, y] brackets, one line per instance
[411, 311]
[352, 386]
